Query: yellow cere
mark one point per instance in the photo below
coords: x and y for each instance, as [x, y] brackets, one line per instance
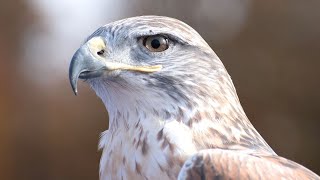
[95, 45]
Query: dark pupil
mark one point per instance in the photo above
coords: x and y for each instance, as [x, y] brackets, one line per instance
[155, 43]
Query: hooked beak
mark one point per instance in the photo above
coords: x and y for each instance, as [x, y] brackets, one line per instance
[84, 66]
[86, 63]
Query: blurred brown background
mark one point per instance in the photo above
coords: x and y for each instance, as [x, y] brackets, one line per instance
[270, 48]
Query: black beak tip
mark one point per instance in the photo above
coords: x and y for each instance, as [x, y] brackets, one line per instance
[73, 82]
[75, 91]
[74, 71]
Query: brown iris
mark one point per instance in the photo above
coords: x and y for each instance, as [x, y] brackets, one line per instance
[156, 43]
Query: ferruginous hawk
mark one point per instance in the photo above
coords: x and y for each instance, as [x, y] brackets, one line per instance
[173, 109]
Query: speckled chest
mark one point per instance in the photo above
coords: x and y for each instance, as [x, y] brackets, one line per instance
[146, 154]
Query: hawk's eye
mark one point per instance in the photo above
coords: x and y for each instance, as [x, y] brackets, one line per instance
[156, 43]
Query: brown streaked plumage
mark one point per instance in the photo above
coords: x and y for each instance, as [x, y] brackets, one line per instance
[174, 113]
[227, 164]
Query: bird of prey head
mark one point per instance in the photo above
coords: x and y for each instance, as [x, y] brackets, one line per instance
[168, 97]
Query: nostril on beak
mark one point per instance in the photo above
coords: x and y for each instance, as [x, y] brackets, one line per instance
[101, 52]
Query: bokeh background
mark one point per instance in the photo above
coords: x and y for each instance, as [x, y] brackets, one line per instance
[270, 48]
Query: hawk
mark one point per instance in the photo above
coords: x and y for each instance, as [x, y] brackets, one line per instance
[173, 109]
